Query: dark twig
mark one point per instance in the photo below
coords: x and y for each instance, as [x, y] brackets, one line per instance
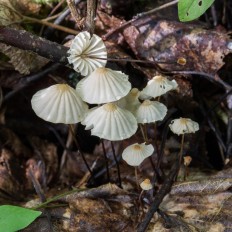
[106, 160]
[78, 147]
[166, 187]
[117, 164]
[27, 41]
[91, 15]
[130, 22]
[41, 195]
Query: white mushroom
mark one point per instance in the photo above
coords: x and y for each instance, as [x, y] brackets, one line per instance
[87, 53]
[135, 154]
[158, 86]
[111, 122]
[59, 103]
[150, 111]
[103, 85]
[183, 126]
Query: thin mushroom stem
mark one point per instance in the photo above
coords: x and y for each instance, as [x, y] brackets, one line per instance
[117, 164]
[144, 137]
[78, 147]
[181, 150]
[142, 131]
[155, 140]
[136, 177]
[145, 132]
[106, 160]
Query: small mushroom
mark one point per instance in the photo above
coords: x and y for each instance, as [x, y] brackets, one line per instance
[103, 85]
[130, 101]
[110, 122]
[87, 53]
[158, 86]
[146, 185]
[183, 126]
[59, 103]
[150, 111]
[136, 153]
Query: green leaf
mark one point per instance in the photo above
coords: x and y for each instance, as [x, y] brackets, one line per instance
[14, 218]
[191, 9]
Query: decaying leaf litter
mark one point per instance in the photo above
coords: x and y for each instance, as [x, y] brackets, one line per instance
[40, 161]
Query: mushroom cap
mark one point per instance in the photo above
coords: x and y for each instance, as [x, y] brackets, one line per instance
[85, 51]
[158, 86]
[150, 111]
[136, 153]
[183, 126]
[103, 85]
[59, 103]
[130, 101]
[111, 122]
[146, 185]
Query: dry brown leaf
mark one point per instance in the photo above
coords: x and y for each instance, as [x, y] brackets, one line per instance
[168, 42]
[24, 62]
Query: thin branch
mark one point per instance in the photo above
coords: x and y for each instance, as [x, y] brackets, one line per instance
[91, 15]
[46, 23]
[130, 22]
[27, 41]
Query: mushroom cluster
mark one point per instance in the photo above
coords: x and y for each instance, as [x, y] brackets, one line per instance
[120, 109]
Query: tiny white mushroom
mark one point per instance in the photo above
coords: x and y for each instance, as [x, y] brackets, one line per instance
[110, 122]
[150, 111]
[103, 85]
[183, 126]
[158, 86]
[130, 101]
[87, 53]
[146, 185]
[135, 154]
[59, 103]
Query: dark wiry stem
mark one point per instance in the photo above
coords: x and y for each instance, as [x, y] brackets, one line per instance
[117, 164]
[106, 161]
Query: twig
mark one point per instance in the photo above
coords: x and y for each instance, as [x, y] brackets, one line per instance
[45, 22]
[128, 23]
[117, 164]
[27, 41]
[74, 12]
[91, 15]
[166, 187]
[59, 20]
[41, 195]
[78, 147]
[106, 160]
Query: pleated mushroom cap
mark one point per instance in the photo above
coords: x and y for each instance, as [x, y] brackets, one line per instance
[103, 85]
[111, 122]
[85, 51]
[136, 153]
[59, 103]
[183, 126]
[130, 101]
[146, 185]
[158, 86]
[150, 111]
